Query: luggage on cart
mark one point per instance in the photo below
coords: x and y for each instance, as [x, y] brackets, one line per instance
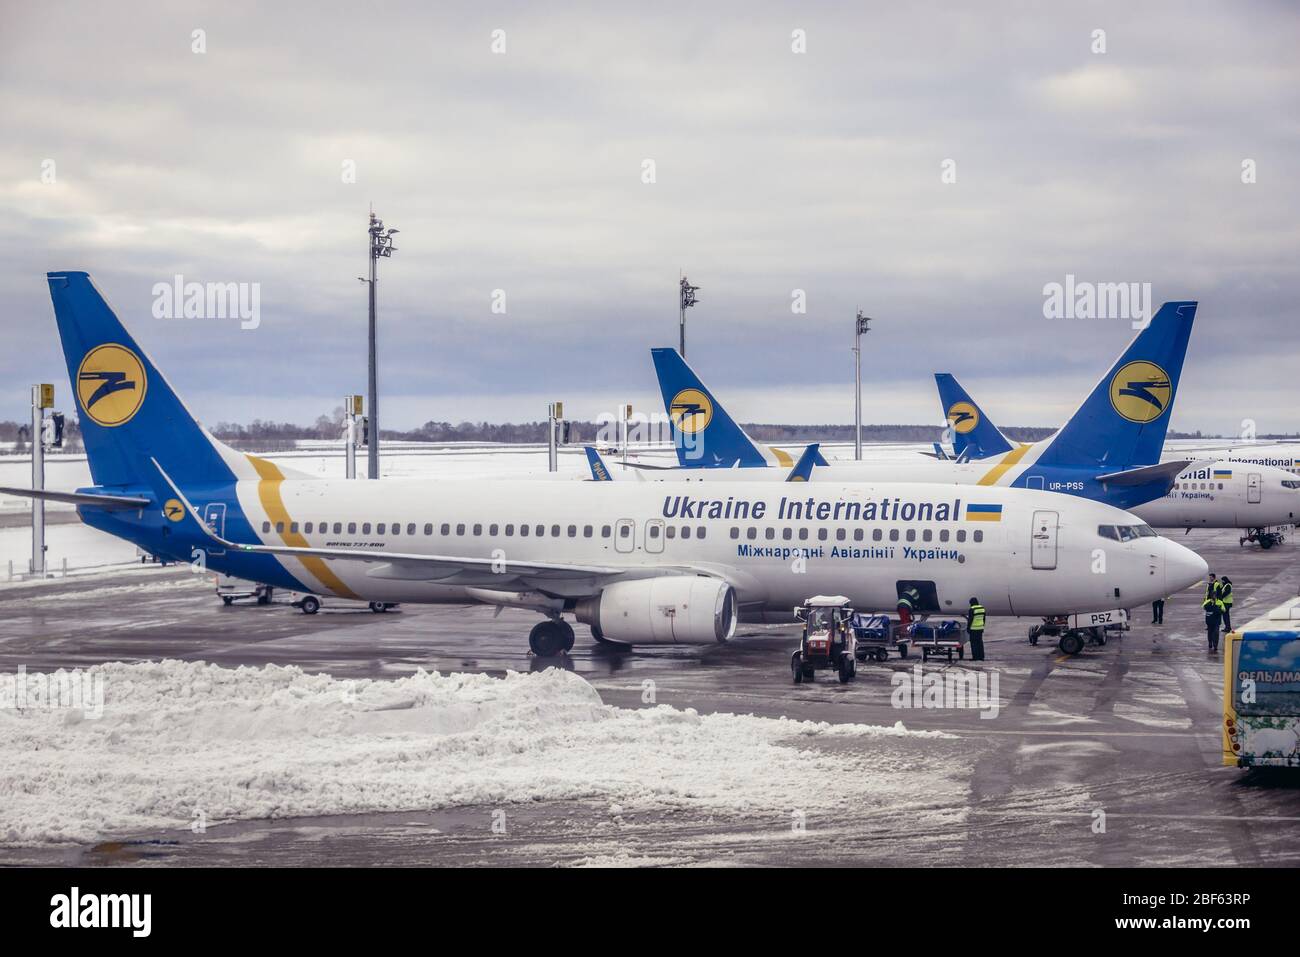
[876, 635]
[943, 637]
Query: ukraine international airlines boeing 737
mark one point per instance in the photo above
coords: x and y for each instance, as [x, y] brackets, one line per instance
[638, 562]
[1218, 493]
[1109, 450]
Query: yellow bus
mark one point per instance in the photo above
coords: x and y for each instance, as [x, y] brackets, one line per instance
[1261, 691]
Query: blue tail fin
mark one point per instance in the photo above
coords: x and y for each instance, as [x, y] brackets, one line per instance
[704, 434]
[1122, 424]
[973, 433]
[127, 411]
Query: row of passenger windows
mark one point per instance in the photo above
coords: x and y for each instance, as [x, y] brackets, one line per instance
[1205, 486]
[606, 531]
[877, 535]
[413, 528]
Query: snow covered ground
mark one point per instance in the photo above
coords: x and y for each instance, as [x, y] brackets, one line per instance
[177, 740]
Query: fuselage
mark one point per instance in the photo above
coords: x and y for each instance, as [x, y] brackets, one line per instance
[1021, 552]
[1221, 494]
[1227, 494]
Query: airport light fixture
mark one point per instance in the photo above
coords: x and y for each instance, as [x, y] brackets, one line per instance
[862, 325]
[381, 245]
[686, 299]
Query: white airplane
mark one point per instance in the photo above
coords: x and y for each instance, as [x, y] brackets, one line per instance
[1238, 491]
[638, 562]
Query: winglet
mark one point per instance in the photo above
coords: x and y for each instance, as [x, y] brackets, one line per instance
[802, 470]
[599, 472]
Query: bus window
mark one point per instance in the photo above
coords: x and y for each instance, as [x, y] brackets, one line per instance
[1268, 678]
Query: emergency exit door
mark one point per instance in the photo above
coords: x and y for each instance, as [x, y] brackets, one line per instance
[624, 535]
[1253, 488]
[654, 535]
[1042, 549]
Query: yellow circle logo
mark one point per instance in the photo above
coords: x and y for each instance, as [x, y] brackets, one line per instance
[963, 417]
[691, 411]
[111, 385]
[173, 510]
[1140, 391]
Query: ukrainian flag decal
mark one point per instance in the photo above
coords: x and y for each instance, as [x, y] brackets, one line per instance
[1223, 473]
[983, 513]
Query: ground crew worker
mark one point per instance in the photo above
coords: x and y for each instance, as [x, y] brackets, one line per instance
[975, 625]
[1158, 612]
[1225, 596]
[1213, 606]
[907, 603]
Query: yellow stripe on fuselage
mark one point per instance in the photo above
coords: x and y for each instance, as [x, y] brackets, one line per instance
[268, 490]
[1008, 462]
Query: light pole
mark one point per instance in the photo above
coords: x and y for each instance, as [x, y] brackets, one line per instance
[381, 244]
[42, 399]
[686, 299]
[862, 325]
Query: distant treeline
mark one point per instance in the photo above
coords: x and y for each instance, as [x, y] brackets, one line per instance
[279, 436]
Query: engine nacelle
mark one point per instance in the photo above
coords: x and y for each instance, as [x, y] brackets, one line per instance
[672, 610]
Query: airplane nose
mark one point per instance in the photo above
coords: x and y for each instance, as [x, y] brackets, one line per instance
[1183, 567]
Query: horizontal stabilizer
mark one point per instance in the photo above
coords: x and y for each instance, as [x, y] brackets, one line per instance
[1167, 471]
[80, 498]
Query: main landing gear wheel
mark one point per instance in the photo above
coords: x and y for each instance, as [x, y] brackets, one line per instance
[1070, 643]
[550, 637]
[310, 605]
[379, 607]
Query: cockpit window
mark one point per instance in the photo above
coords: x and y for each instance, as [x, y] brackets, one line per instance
[1125, 533]
[1290, 483]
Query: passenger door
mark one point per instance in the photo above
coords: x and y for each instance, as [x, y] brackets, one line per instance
[1042, 550]
[1254, 489]
[624, 535]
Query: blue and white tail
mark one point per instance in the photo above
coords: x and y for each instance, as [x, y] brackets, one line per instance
[704, 435]
[974, 436]
[128, 413]
[1122, 423]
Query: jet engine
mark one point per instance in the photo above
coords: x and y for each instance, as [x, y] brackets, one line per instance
[671, 610]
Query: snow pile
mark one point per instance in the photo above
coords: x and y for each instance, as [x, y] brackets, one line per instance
[180, 739]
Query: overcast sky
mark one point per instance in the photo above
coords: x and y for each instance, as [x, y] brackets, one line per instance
[775, 171]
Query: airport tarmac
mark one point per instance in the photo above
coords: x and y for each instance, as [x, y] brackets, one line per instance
[1125, 735]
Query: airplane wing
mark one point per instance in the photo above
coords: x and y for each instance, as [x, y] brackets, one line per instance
[111, 502]
[495, 573]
